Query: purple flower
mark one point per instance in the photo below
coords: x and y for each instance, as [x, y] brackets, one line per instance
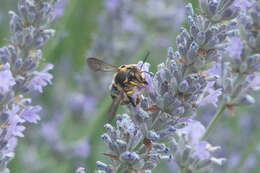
[12, 142]
[194, 131]
[30, 113]
[59, 8]
[14, 128]
[6, 78]
[125, 124]
[254, 80]
[200, 150]
[145, 66]
[215, 70]
[147, 76]
[235, 47]
[211, 95]
[242, 4]
[41, 79]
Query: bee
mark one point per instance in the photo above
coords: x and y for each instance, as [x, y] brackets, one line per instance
[127, 86]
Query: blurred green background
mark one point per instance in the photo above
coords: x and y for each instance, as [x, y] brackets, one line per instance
[73, 38]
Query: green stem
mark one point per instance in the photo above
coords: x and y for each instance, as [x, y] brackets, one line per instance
[214, 121]
[220, 110]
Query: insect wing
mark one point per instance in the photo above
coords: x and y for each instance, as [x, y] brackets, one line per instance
[113, 108]
[99, 65]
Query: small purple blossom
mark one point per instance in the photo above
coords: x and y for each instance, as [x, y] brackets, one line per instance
[235, 48]
[30, 113]
[59, 8]
[12, 142]
[147, 75]
[215, 70]
[254, 80]
[125, 124]
[200, 150]
[14, 128]
[242, 4]
[211, 95]
[6, 78]
[41, 79]
[194, 131]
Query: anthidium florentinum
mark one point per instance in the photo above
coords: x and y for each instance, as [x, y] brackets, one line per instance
[127, 85]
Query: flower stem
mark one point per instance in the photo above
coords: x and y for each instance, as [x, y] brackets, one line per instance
[214, 121]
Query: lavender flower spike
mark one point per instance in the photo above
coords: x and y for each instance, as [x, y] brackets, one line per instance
[240, 65]
[19, 72]
[161, 127]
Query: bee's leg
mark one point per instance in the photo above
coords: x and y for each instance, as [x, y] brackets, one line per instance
[131, 92]
[134, 83]
[126, 80]
[137, 99]
[131, 100]
[139, 78]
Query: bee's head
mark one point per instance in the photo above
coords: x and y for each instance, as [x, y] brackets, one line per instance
[132, 69]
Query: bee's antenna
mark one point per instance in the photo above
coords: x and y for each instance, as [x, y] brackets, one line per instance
[151, 74]
[145, 58]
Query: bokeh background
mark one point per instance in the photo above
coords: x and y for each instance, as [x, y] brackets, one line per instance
[74, 106]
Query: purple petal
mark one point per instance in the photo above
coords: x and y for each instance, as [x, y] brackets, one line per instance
[255, 80]
[200, 150]
[235, 47]
[41, 79]
[215, 70]
[242, 4]
[212, 95]
[147, 76]
[14, 129]
[17, 131]
[59, 8]
[6, 78]
[11, 144]
[30, 113]
[194, 130]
